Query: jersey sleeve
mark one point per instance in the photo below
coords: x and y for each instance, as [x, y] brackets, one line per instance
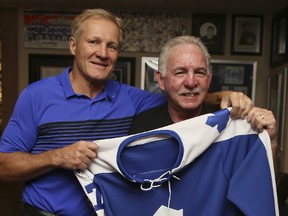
[252, 183]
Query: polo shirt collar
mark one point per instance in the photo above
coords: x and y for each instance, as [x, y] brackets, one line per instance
[110, 90]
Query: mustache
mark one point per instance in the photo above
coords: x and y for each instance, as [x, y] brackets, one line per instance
[189, 91]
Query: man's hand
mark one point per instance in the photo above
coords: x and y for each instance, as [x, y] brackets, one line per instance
[241, 104]
[261, 119]
[76, 156]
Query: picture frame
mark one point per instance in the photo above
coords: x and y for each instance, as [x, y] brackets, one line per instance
[279, 43]
[125, 70]
[149, 65]
[211, 29]
[247, 33]
[148, 31]
[47, 29]
[45, 65]
[234, 75]
[276, 102]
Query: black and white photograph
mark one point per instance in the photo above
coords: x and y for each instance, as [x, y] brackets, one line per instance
[234, 75]
[247, 34]
[147, 32]
[211, 29]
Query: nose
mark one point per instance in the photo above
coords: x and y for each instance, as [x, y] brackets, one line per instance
[101, 51]
[190, 80]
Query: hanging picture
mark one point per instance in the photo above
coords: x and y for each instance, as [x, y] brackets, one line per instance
[47, 29]
[148, 31]
[235, 76]
[247, 34]
[149, 66]
[279, 44]
[211, 29]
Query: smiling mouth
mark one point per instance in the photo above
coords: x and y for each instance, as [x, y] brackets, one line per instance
[99, 65]
[190, 94]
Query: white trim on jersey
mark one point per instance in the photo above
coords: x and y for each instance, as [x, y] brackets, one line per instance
[206, 129]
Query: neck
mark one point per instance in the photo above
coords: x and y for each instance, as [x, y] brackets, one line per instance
[89, 88]
[178, 115]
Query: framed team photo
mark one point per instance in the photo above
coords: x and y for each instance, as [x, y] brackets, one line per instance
[211, 29]
[234, 75]
[47, 29]
[148, 31]
[247, 34]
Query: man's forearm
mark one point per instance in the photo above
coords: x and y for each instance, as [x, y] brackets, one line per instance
[19, 166]
[215, 97]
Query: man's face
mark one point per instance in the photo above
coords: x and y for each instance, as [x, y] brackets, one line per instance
[187, 78]
[97, 48]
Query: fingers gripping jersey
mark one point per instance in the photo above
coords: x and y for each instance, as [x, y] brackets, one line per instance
[208, 165]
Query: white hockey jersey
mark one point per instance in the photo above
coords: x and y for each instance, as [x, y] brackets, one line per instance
[208, 165]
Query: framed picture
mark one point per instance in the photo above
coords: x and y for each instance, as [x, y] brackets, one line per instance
[235, 76]
[46, 65]
[149, 65]
[247, 33]
[211, 29]
[125, 70]
[277, 84]
[47, 29]
[279, 46]
[148, 31]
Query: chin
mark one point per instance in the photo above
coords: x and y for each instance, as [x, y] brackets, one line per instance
[190, 107]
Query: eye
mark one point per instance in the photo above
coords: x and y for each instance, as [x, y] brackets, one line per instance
[94, 42]
[179, 73]
[200, 73]
[113, 47]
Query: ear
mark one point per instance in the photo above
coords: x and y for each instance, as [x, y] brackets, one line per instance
[72, 45]
[160, 80]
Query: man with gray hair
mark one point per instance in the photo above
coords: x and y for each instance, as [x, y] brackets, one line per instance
[184, 74]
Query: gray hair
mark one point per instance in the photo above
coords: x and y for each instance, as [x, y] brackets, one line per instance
[97, 13]
[187, 39]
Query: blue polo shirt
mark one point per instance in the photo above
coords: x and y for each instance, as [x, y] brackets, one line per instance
[50, 115]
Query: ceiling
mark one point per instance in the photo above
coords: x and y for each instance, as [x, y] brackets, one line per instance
[221, 6]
